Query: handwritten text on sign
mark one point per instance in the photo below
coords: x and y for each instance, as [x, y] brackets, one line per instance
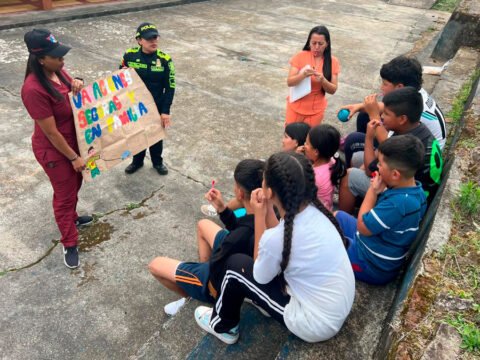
[107, 120]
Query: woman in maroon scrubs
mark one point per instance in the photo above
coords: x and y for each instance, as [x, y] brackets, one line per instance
[45, 96]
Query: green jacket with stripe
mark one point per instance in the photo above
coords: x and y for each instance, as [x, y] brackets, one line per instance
[157, 72]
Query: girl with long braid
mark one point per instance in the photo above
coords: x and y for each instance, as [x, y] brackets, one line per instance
[300, 273]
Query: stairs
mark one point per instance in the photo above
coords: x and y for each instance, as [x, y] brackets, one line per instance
[263, 338]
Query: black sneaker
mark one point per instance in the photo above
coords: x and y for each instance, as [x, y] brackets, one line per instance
[70, 257]
[161, 169]
[83, 220]
[133, 167]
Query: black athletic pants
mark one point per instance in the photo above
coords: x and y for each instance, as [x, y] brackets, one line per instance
[155, 154]
[362, 121]
[238, 284]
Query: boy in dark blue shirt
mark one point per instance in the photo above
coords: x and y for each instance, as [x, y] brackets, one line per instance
[390, 215]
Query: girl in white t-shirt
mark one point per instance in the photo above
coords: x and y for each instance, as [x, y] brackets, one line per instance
[300, 273]
[321, 148]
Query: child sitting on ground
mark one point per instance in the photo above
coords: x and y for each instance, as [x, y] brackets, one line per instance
[401, 115]
[200, 280]
[399, 72]
[390, 215]
[321, 148]
[300, 273]
[294, 137]
[293, 140]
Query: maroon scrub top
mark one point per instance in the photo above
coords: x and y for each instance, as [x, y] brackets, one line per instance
[41, 105]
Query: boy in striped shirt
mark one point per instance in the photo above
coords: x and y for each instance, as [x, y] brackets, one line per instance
[390, 214]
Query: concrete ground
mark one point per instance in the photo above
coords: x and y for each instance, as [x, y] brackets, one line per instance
[232, 60]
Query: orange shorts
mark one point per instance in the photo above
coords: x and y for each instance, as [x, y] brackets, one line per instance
[312, 120]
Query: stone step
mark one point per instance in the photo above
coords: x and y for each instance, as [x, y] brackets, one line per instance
[260, 338]
[264, 338]
[358, 338]
[462, 29]
[460, 69]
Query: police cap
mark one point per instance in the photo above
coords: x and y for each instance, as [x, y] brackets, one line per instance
[146, 31]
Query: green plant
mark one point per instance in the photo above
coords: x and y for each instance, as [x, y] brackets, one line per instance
[446, 250]
[458, 218]
[445, 5]
[473, 276]
[476, 308]
[454, 274]
[469, 332]
[470, 338]
[97, 216]
[462, 294]
[459, 101]
[469, 198]
[468, 143]
[131, 206]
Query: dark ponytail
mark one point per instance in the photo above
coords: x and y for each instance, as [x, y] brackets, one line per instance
[34, 66]
[339, 170]
[326, 140]
[327, 54]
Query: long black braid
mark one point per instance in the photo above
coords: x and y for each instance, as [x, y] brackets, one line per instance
[285, 176]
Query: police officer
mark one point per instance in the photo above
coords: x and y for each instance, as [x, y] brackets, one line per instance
[157, 71]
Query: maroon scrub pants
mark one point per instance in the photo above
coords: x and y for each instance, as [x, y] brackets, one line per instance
[66, 183]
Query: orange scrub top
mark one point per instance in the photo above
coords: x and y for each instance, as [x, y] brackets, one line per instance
[315, 102]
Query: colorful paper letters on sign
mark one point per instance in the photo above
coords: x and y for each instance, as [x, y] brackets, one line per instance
[115, 118]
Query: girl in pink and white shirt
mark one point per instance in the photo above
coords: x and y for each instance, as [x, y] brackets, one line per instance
[321, 148]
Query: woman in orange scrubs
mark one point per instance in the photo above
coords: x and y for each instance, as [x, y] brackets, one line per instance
[323, 70]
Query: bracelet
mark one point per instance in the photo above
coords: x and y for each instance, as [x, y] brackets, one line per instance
[74, 158]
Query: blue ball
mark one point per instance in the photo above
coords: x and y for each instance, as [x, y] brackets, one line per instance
[343, 115]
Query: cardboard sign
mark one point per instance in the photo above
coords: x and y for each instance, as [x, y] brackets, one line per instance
[115, 118]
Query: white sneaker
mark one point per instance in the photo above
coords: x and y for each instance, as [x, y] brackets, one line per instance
[173, 307]
[203, 315]
[208, 210]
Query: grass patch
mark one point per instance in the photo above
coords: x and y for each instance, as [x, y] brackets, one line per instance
[469, 198]
[472, 276]
[468, 143]
[445, 5]
[458, 103]
[131, 206]
[469, 332]
[97, 216]
[447, 250]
